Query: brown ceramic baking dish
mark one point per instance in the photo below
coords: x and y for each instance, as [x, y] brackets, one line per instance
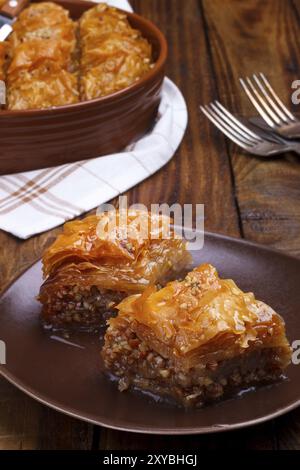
[43, 138]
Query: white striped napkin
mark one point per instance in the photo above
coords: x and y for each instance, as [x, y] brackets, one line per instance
[36, 201]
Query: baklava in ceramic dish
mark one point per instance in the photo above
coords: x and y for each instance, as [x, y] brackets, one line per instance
[87, 273]
[49, 86]
[113, 54]
[54, 62]
[195, 340]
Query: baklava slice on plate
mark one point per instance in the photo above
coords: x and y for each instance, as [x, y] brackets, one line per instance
[195, 341]
[92, 266]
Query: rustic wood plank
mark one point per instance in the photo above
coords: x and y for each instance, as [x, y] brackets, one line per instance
[258, 438]
[198, 173]
[288, 431]
[249, 37]
[24, 423]
[19, 418]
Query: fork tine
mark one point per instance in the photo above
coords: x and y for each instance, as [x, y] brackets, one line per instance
[234, 121]
[264, 104]
[222, 129]
[277, 110]
[276, 97]
[232, 128]
[256, 104]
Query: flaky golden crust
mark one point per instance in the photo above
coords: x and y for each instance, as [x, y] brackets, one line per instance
[45, 13]
[3, 55]
[94, 263]
[43, 90]
[119, 256]
[42, 69]
[52, 64]
[49, 31]
[113, 55]
[31, 55]
[59, 40]
[153, 265]
[103, 20]
[108, 237]
[202, 315]
[195, 341]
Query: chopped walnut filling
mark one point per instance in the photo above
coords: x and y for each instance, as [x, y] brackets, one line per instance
[136, 365]
[77, 305]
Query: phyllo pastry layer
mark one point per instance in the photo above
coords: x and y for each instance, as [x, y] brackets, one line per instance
[52, 61]
[43, 69]
[195, 341]
[3, 59]
[88, 270]
[113, 54]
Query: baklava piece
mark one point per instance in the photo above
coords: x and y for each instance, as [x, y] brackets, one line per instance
[88, 273]
[113, 54]
[195, 341]
[43, 69]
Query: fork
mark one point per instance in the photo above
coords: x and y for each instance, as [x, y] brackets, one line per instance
[264, 146]
[270, 106]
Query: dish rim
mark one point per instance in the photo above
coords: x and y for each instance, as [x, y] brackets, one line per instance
[145, 429]
[148, 76]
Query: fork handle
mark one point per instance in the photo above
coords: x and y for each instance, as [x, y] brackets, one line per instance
[290, 131]
[294, 147]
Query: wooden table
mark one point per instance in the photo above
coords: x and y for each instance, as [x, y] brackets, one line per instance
[211, 44]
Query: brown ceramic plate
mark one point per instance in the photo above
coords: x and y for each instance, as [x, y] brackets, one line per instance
[43, 138]
[68, 377]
